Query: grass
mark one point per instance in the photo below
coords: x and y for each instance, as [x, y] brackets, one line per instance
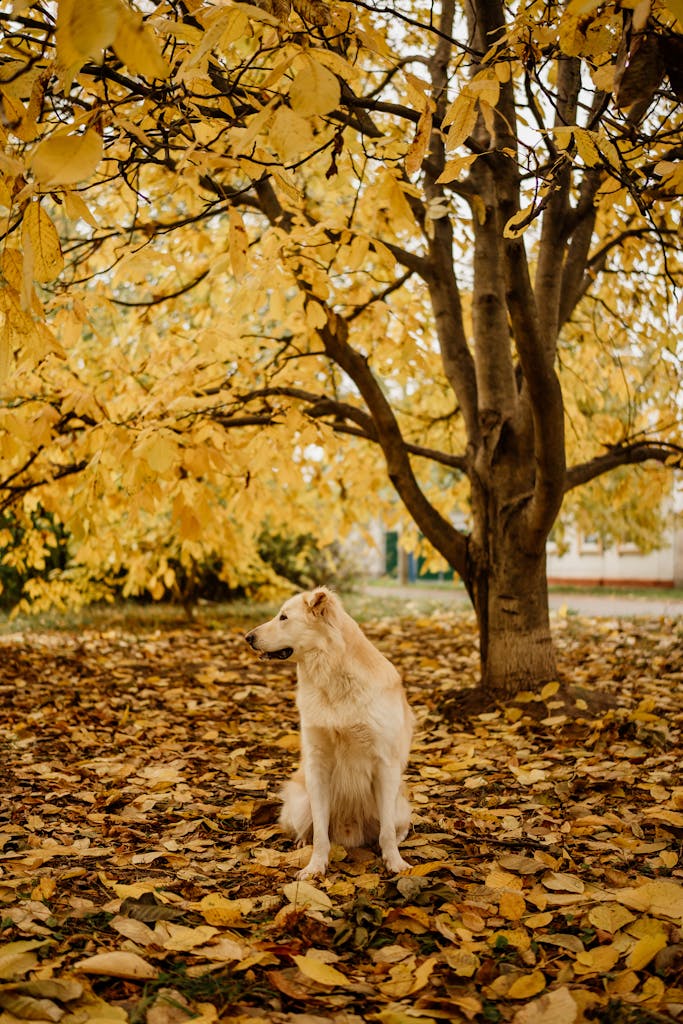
[366, 602]
[240, 613]
[661, 593]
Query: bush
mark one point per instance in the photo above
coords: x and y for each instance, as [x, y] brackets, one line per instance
[298, 559]
[29, 552]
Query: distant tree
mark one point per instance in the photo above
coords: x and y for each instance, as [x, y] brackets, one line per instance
[447, 233]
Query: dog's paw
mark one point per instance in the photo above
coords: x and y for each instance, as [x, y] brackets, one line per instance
[313, 868]
[396, 864]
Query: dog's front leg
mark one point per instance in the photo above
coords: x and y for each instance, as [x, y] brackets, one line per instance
[317, 783]
[388, 784]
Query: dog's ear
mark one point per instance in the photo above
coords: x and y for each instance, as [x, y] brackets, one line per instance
[319, 602]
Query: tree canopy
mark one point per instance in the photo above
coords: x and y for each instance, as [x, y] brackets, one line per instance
[447, 235]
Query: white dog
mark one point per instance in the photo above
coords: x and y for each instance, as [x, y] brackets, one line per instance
[356, 728]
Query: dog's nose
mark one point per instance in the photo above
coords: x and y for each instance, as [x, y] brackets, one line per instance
[251, 639]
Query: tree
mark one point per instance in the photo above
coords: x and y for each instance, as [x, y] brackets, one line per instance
[447, 219]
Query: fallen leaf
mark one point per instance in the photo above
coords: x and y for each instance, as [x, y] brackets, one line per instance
[561, 882]
[303, 894]
[16, 958]
[216, 909]
[527, 985]
[601, 959]
[118, 964]
[556, 1007]
[609, 917]
[661, 897]
[320, 972]
[645, 950]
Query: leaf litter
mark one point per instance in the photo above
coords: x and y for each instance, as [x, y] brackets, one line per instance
[143, 876]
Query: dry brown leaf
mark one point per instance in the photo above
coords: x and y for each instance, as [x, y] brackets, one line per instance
[118, 964]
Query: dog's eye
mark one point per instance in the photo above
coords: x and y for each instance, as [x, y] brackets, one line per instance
[283, 617]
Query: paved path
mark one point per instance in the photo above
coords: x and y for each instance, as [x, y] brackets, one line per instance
[593, 605]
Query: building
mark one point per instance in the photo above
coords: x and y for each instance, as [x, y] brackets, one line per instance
[583, 561]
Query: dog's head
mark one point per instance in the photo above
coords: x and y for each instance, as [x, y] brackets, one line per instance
[299, 627]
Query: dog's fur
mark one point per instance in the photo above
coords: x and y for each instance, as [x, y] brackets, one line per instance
[356, 728]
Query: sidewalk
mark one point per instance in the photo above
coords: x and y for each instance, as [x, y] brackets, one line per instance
[593, 605]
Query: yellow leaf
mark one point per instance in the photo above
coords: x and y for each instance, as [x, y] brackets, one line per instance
[123, 891]
[528, 776]
[661, 897]
[645, 949]
[238, 241]
[549, 690]
[160, 454]
[6, 350]
[609, 917]
[136, 45]
[316, 317]
[24, 1007]
[463, 115]
[290, 134]
[597, 961]
[428, 868]
[526, 986]
[217, 909]
[418, 147]
[118, 964]
[65, 159]
[556, 1007]
[423, 974]
[674, 818]
[315, 89]
[538, 920]
[559, 881]
[453, 168]
[497, 878]
[586, 147]
[181, 938]
[462, 962]
[41, 243]
[517, 937]
[16, 958]
[319, 971]
[85, 30]
[303, 894]
[583, 7]
[516, 224]
[76, 209]
[512, 906]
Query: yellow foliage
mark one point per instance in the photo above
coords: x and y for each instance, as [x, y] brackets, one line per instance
[66, 158]
[85, 31]
[254, 199]
[315, 89]
[42, 248]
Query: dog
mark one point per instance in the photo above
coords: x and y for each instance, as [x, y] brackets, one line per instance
[356, 729]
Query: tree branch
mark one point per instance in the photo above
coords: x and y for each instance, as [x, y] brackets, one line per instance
[321, 406]
[443, 536]
[440, 276]
[627, 454]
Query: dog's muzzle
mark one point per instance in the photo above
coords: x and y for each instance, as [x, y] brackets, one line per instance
[281, 655]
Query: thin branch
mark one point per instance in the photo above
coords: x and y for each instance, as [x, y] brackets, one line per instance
[321, 406]
[18, 491]
[627, 454]
[395, 14]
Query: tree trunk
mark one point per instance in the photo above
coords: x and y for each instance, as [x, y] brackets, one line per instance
[511, 603]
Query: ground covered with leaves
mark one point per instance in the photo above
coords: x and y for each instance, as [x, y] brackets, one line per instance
[143, 877]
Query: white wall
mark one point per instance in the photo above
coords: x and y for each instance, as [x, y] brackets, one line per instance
[590, 563]
[587, 561]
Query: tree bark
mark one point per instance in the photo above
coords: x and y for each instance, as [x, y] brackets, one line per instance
[511, 604]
